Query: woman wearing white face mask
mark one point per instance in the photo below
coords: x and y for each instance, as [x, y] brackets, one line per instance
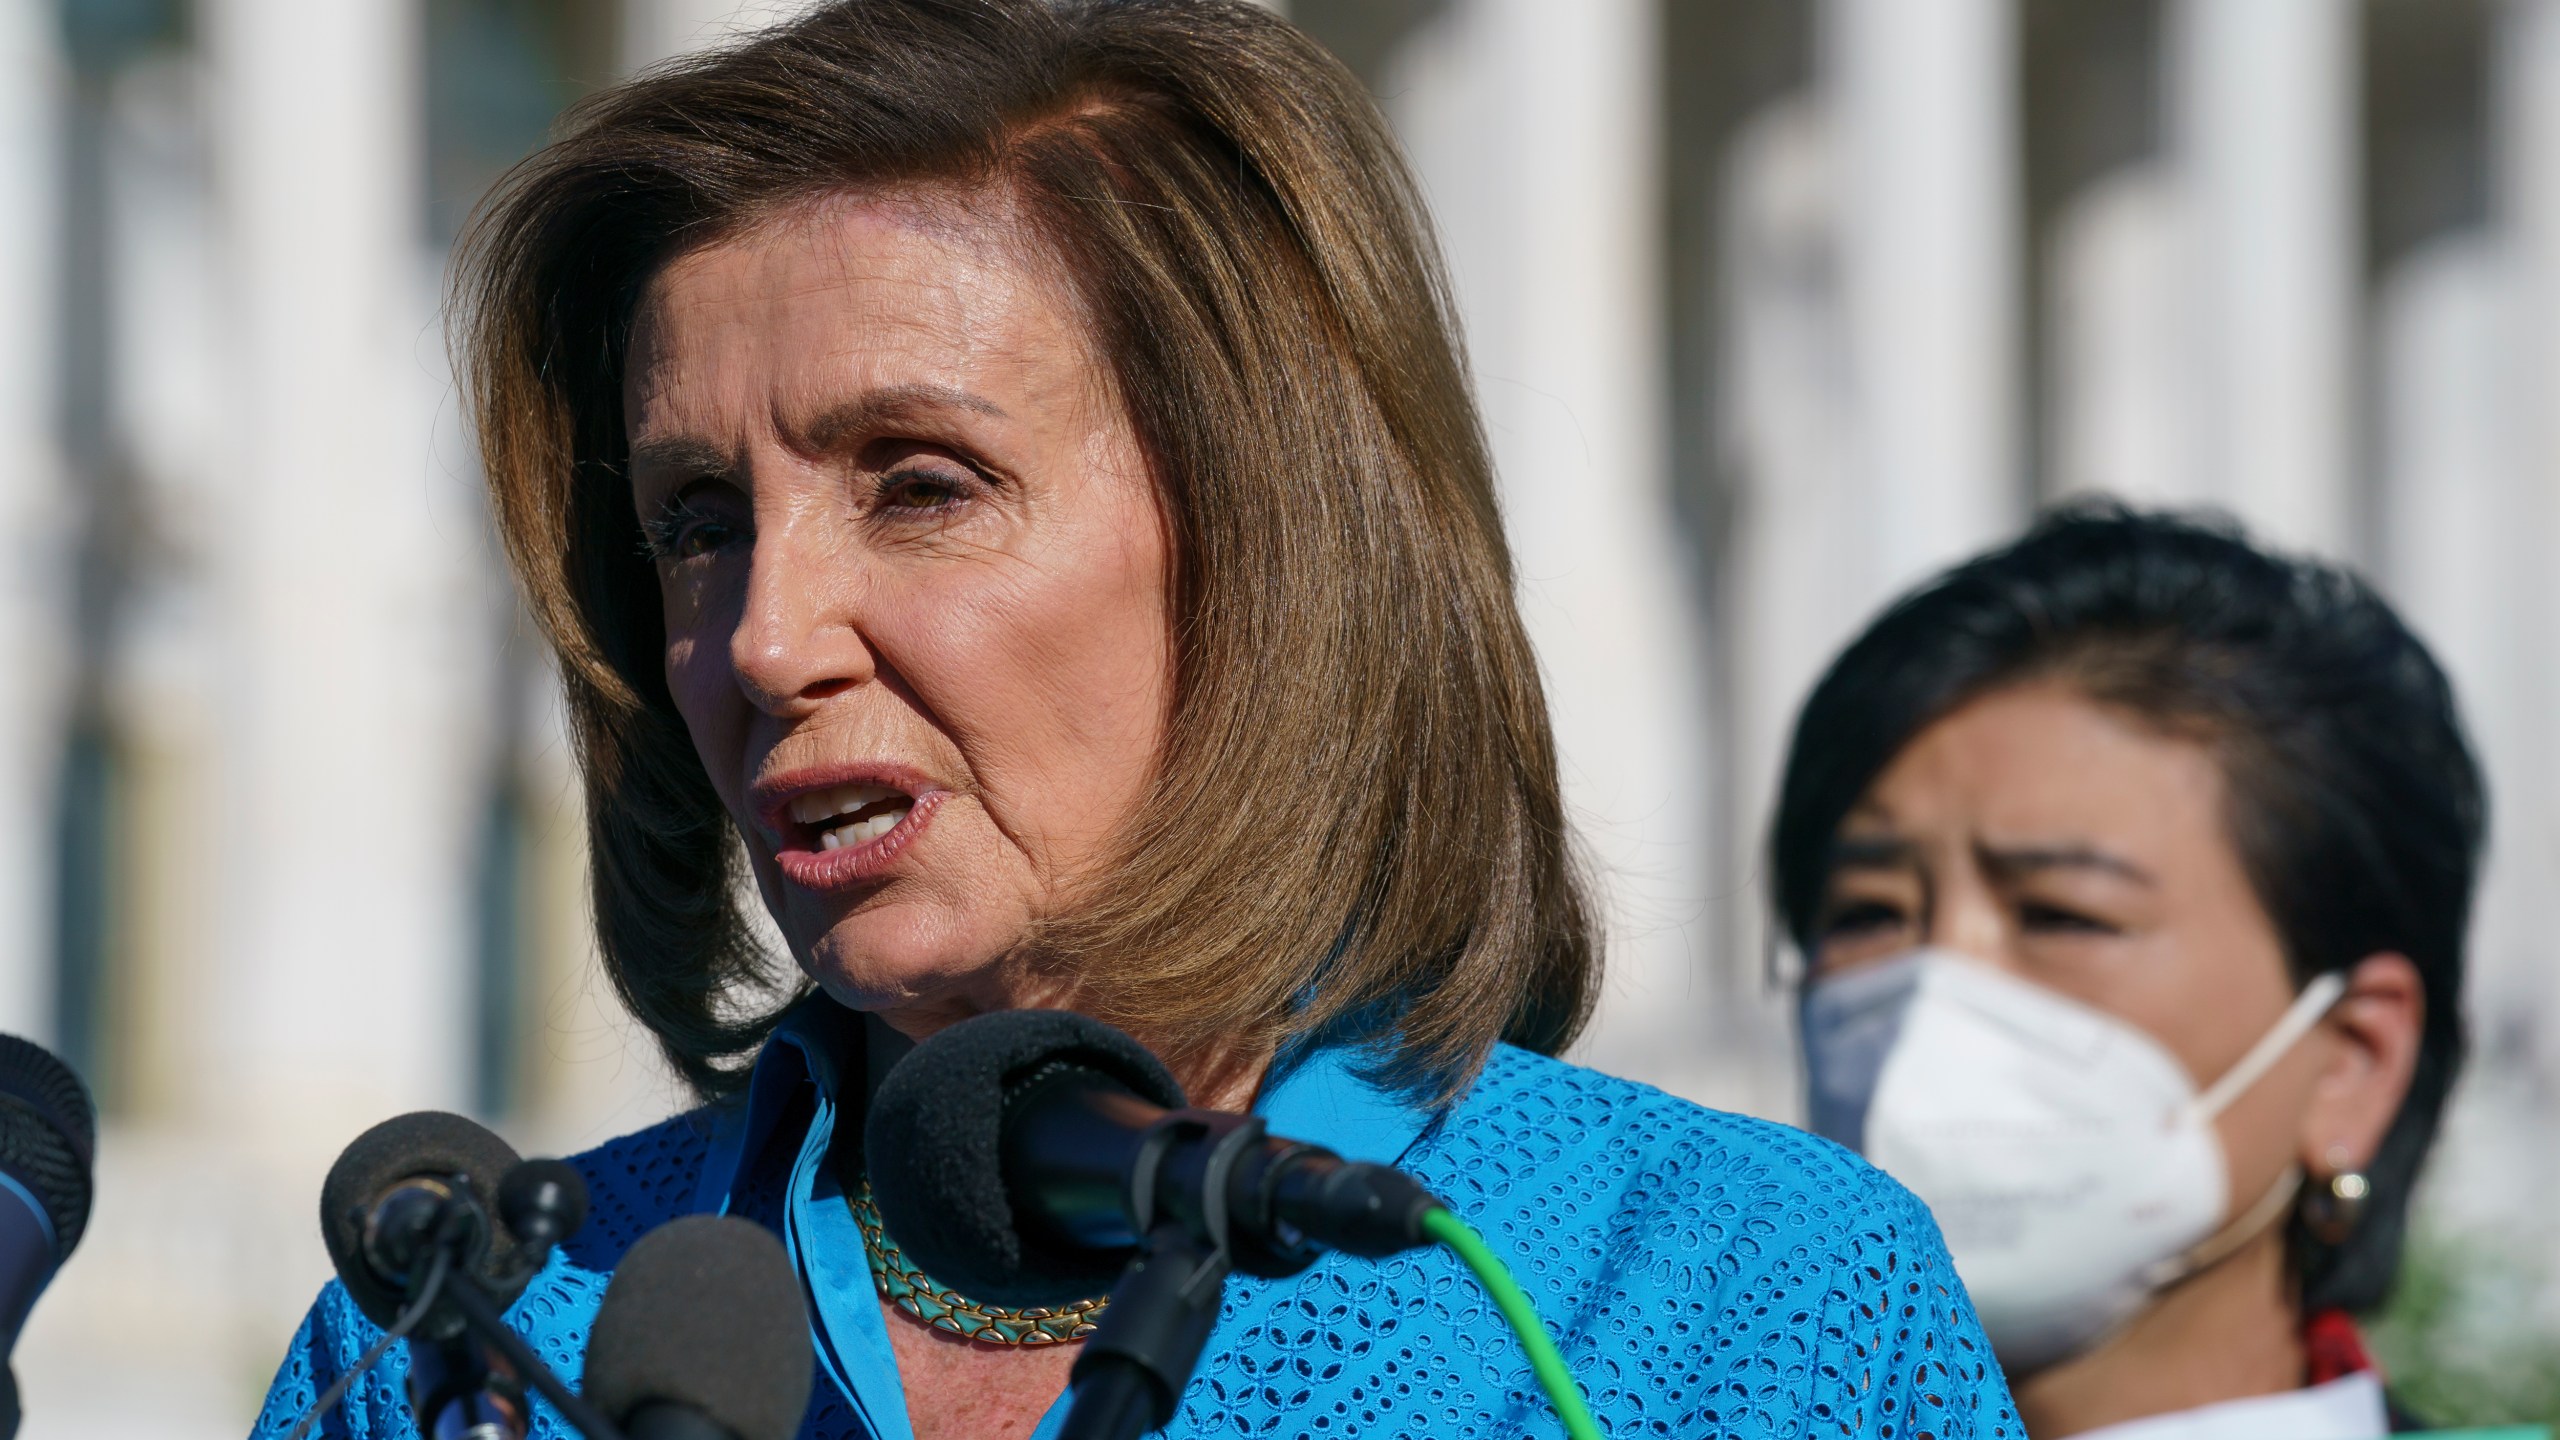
[2131, 866]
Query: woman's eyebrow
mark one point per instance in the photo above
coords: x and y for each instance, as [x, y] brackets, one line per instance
[1875, 852]
[888, 405]
[2024, 859]
[680, 453]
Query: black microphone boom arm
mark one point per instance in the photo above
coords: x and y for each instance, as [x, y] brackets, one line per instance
[1094, 1165]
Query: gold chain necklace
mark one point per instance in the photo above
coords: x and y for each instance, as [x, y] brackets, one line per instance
[944, 1308]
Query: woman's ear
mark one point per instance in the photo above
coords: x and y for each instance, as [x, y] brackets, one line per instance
[2376, 1026]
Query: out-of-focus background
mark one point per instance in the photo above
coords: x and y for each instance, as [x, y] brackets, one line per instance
[1774, 304]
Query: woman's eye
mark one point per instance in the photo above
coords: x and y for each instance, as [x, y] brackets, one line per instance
[2039, 918]
[701, 538]
[924, 491]
[1861, 917]
[681, 532]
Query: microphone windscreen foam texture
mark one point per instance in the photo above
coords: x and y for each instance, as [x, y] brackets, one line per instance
[704, 1313]
[408, 1147]
[932, 1147]
[48, 1136]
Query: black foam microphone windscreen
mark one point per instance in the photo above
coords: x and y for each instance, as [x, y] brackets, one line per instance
[48, 1137]
[427, 1144]
[702, 1318]
[48, 1145]
[932, 1147]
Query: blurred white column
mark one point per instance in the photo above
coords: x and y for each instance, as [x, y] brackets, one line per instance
[1537, 139]
[2466, 573]
[2525, 136]
[343, 814]
[2263, 124]
[35, 516]
[1787, 601]
[2468, 360]
[1923, 98]
[2120, 342]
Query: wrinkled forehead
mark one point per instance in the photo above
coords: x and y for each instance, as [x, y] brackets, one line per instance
[857, 291]
[2043, 765]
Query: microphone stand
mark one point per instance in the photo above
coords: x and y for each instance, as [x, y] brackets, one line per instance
[1138, 1360]
[482, 1318]
[456, 1394]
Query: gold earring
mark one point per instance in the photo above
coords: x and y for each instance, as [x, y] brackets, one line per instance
[2330, 1213]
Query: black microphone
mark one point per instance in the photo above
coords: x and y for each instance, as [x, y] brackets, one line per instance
[431, 1212]
[702, 1336]
[48, 1147]
[406, 1186]
[1021, 1156]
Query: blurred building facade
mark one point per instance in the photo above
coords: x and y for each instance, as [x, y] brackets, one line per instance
[1774, 306]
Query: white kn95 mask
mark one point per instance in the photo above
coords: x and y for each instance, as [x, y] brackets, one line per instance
[2068, 1159]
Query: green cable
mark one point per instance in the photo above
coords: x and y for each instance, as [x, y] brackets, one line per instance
[1441, 1225]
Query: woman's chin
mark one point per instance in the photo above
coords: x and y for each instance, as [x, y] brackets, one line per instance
[890, 970]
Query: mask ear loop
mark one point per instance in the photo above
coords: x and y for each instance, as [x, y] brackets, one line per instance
[2307, 1010]
[2214, 1248]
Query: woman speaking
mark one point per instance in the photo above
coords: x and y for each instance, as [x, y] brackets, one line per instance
[999, 476]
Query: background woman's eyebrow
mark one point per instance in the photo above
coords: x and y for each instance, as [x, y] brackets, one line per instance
[1879, 852]
[2014, 861]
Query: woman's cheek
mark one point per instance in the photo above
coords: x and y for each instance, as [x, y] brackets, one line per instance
[684, 677]
[697, 680]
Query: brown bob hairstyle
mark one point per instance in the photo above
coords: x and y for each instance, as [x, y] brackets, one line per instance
[1355, 826]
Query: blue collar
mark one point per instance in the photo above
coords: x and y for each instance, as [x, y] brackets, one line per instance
[1315, 1093]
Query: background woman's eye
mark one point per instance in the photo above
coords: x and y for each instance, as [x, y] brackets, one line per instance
[1861, 917]
[2039, 918]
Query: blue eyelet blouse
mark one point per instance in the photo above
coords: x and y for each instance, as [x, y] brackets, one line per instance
[1703, 1273]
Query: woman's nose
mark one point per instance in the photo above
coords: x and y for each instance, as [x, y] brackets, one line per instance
[798, 639]
[1967, 919]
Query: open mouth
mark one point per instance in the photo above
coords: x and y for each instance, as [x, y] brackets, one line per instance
[849, 815]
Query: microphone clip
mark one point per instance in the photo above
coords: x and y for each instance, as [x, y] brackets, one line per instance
[1136, 1364]
[431, 1236]
[1219, 1216]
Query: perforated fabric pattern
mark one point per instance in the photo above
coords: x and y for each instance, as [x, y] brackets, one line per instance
[638, 1183]
[1706, 1275]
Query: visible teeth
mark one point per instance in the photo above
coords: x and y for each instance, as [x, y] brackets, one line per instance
[843, 800]
[870, 827]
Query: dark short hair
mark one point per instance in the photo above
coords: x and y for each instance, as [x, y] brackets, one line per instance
[1226, 203]
[2355, 803]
